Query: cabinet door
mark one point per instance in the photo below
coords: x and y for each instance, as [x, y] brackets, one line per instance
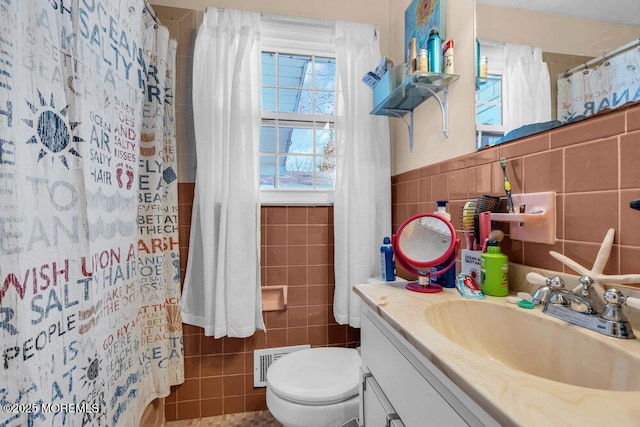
[375, 409]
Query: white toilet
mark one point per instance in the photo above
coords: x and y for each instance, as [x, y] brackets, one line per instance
[316, 387]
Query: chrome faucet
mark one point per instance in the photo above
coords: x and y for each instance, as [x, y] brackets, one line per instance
[578, 308]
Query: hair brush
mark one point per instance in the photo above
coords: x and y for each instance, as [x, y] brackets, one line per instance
[468, 212]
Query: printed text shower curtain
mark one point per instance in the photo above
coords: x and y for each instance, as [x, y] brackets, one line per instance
[609, 85]
[82, 340]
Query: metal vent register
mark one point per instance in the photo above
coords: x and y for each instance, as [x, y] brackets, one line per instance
[262, 359]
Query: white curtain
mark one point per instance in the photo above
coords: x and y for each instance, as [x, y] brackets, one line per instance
[362, 207]
[222, 284]
[612, 84]
[527, 90]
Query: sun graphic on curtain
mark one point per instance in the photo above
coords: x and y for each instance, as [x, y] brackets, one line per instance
[52, 130]
[91, 372]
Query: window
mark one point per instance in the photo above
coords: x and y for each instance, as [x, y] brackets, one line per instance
[489, 97]
[297, 140]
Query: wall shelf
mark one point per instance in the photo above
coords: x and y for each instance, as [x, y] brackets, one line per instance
[414, 90]
[536, 221]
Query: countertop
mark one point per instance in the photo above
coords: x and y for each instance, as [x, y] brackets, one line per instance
[511, 396]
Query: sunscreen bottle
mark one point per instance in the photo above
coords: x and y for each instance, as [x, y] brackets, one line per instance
[494, 271]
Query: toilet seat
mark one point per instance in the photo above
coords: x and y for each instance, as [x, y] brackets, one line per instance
[316, 376]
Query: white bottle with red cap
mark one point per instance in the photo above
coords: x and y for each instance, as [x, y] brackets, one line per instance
[447, 63]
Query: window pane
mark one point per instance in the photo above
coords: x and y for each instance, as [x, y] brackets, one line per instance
[294, 71]
[267, 139]
[294, 101]
[325, 71]
[269, 99]
[325, 172]
[324, 103]
[268, 68]
[267, 171]
[325, 143]
[296, 140]
[487, 114]
[298, 172]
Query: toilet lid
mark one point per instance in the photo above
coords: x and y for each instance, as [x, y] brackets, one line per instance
[316, 376]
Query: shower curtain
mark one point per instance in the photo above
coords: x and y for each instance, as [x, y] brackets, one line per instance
[86, 336]
[610, 85]
[222, 283]
[362, 206]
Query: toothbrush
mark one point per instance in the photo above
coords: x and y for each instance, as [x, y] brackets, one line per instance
[485, 229]
[507, 185]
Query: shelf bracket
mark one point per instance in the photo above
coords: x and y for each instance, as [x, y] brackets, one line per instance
[442, 103]
[400, 114]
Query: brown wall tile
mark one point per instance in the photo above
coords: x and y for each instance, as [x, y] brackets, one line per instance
[439, 189]
[588, 216]
[544, 172]
[609, 124]
[457, 185]
[629, 159]
[629, 233]
[592, 166]
[633, 118]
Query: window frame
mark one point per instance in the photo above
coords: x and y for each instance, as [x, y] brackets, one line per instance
[298, 36]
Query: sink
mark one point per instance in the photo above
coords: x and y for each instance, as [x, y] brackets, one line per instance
[532, 342]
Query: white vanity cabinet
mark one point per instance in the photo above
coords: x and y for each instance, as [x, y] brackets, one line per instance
[402, 386]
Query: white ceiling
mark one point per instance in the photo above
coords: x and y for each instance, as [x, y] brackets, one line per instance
[615, 11]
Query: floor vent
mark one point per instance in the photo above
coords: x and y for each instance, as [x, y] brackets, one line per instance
[262, 359]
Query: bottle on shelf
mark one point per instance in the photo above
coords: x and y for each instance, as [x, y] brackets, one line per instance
[447, 66]
[434, 46]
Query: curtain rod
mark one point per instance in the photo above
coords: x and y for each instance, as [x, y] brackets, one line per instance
[600, 58]
[300, 19]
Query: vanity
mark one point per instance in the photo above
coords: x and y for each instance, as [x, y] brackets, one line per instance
[439, 359]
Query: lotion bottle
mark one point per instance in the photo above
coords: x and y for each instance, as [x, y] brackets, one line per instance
[494, 271]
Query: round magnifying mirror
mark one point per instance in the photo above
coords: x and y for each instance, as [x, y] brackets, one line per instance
[426, 245]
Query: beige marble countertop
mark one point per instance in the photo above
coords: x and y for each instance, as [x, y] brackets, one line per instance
[511, 396]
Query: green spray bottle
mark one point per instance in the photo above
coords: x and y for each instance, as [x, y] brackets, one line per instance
[494, 271]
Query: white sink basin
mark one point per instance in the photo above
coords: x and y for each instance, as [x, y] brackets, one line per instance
[537, 344]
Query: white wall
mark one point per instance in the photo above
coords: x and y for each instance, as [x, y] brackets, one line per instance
[552, 33]
[363, 11]
[429, 144]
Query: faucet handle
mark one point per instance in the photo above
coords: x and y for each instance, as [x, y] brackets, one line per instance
[613, 308]
[615, 296]
[586, 283]
[538, 279]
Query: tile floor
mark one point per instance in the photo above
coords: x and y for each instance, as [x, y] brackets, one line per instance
[245, 419]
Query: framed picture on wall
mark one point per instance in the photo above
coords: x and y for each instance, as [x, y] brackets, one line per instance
[420, 18]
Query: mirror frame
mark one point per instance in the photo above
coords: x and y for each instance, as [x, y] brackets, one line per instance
[413, 266]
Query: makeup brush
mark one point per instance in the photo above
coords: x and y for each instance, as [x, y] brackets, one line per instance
[468, 212]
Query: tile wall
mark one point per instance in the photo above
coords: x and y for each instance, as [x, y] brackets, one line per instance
[297, 251]
[592, 166]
